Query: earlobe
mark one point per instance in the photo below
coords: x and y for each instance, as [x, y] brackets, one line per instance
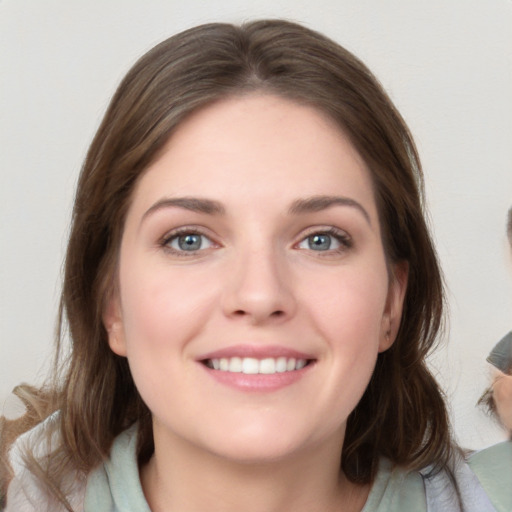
[112, 320]
[394, 305]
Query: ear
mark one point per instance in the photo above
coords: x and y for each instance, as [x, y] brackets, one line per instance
[399, 274]
[113, 322]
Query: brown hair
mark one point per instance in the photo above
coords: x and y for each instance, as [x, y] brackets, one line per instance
[402, 414]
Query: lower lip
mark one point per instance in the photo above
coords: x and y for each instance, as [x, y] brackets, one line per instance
[258, 382]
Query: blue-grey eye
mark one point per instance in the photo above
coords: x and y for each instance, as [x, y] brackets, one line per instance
[319, 242]
[324, 241]
[189, 242]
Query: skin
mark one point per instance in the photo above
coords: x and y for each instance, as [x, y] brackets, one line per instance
[256, 281]
[502, 392]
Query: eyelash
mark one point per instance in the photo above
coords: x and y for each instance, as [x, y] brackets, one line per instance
[340, 236]
[175, 234]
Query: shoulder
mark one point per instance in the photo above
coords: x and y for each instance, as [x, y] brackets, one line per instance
[464, 487]
[115, 484]
[26, 491]
[396, 489]
[493, 468]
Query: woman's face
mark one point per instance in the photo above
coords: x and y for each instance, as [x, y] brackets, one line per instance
[254, 294]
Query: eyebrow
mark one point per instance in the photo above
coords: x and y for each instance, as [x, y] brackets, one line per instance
[299, 206]
[319, 203]
[193, 204]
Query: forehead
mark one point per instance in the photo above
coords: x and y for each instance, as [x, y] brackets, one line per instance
[259, 144]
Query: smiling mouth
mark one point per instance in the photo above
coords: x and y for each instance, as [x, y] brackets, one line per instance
[254, 366]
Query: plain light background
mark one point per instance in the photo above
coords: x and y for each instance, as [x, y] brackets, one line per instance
[447, 64]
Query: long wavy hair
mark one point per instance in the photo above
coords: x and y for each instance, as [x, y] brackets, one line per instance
[402, 415]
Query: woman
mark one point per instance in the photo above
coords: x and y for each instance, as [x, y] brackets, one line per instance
[498, 398]
[251, 291]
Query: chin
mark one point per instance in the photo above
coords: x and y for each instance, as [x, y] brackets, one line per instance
[267, 443]
[256, 452]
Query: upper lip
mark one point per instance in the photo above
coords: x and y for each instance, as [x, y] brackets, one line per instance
[255, 351]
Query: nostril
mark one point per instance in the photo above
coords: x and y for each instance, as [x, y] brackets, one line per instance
[277, 313]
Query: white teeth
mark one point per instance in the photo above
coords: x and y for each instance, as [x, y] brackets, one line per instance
[281, 364]
[235, 364]
[253, 366]
[250, 365]
[267, 366]
[300, 364]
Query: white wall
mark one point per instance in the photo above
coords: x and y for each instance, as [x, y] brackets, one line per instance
[446, 63]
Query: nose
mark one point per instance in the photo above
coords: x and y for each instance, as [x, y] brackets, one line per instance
[259, 288]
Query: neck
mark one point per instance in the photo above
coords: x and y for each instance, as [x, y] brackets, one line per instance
[184, 478]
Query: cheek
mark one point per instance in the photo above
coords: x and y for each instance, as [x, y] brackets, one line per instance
[162, 307]
[161, 316]
[349, 307]
[346, 310]
[348, 314]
